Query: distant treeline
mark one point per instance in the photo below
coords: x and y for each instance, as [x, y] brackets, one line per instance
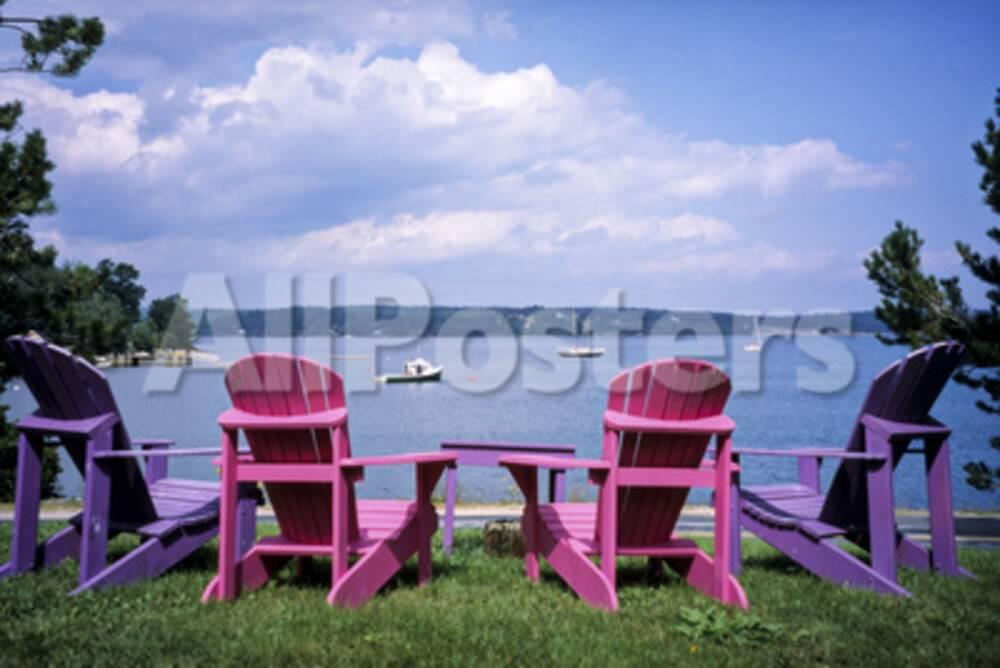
[411, 321]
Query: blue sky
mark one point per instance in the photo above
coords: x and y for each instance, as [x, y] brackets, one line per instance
[698, 155]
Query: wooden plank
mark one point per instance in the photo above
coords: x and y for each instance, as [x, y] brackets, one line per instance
[184, 494]
[17, 348]
[64, 406]
[187, 484]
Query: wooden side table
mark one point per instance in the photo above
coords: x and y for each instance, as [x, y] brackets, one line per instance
[488, 453]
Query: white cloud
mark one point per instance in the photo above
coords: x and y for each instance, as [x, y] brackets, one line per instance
[686, 227]
[413, 240]
[613, 245]
[744, 260]
[354, 159]
[520, 137]
[518, 131]
[93, 132]
[404, 240]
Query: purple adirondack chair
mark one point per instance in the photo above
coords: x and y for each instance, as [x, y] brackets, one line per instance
[76, 409]
[293, 414]
[799, 520]
[660, 419]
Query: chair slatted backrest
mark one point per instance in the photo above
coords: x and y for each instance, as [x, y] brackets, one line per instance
[67, 387]
[905, 391]
[673, 389]
[283, 385]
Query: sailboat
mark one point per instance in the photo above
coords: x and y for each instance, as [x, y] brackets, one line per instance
[576, 350]
[755, 345]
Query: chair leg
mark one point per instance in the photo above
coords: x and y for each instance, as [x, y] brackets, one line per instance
[339, 530]
[529, 526]
[426, 522]
[96, 513]
[723, 516]
[96, 509]
[451, 485]
[608, 522]
[735, 512]
[607, 515]
[27, 498]
[881, 510]
[942, 519]
[227, 518]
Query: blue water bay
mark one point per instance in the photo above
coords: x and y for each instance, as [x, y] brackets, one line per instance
[804, 391]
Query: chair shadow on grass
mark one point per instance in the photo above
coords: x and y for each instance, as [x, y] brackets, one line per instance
[774, 563]
[314, 572]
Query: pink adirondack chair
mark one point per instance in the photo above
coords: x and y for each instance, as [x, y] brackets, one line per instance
[660, 419]
[293, 414]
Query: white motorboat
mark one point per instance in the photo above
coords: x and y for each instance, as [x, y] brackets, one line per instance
[417, 370]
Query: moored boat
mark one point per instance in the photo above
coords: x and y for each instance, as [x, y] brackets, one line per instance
[417, 370]
[577, 350]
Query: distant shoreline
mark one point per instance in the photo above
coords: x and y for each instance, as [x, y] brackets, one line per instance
[414, 321]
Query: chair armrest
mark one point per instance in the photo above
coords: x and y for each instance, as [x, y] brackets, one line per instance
[417, 458]
[234, 418]
[546, 462]
[892, 429]
[808, 452]
[717, 424]
[511, 447]
[524, 469]
[82, 427]
[184, 452]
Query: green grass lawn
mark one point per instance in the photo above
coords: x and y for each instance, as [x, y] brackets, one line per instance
[480, 611]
